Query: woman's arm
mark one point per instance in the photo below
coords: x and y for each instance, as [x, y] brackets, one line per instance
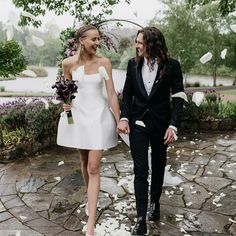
[111, 93]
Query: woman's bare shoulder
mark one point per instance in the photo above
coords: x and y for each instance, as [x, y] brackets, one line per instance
[69, 61]
[104, 61]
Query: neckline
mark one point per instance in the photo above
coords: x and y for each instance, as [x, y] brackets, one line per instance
[82, 68]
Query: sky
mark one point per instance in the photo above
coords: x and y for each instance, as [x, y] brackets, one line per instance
[139, 11]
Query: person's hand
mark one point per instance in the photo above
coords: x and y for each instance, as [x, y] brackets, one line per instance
[170, 136]
[66, 107]
[123, 127]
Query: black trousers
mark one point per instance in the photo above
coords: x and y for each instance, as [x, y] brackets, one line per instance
[140, 139]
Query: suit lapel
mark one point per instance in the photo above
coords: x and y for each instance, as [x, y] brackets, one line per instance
[140, 80]
[156, 84]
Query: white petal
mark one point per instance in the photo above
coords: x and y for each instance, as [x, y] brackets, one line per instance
[233, 28]
[198, 98]
[125, 138]
[55, 101]
[45, 102]
[29, 73]
[223, 53]
[231, 220]
[28, 101]
[206, 57]
[10, 32]
[27, 14]
[60, 163]
[23, 217]
[58, 178]
[37, 41]
[102, 71]
[140, 123]
[180, 95]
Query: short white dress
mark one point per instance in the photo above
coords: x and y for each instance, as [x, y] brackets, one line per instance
[94, 126]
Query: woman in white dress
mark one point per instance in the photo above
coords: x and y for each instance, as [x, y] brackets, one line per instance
[94, 127]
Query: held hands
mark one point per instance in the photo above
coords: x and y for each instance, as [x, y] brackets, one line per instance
[66, 107]
[170, 136]
[123, 127]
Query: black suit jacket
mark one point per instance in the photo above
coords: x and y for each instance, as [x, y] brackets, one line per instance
[136, 104]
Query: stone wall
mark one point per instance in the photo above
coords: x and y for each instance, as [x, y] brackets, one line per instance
[208, 125]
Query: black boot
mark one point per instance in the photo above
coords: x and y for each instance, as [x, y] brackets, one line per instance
[140, 227]
[154, 213]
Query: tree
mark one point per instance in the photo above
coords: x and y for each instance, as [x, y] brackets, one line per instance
[180, 30]
[82, 10]
[212, 26]
[225, 6]
[231, 54]
[12, 62]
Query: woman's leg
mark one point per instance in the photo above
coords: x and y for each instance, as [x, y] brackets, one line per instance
[84, 165]
[93, 187]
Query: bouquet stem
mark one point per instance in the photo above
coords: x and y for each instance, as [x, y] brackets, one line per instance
[69, 117]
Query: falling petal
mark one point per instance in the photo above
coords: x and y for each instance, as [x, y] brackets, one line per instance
[45, 102]
[13, 18]
[28, 101]
[198, 98]
[233, 28]
[206, 57]
[60, 163]
[180, 95]
[37, 41]
[102, 71]
[223, 53]
[28, 73]
[27, 14]
[10, 32]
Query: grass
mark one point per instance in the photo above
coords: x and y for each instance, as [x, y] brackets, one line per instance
[228, 95]
[24, 94]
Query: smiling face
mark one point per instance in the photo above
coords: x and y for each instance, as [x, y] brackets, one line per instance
[140, 46]
[90, 41]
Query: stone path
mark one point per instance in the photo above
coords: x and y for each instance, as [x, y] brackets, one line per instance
[44, 195]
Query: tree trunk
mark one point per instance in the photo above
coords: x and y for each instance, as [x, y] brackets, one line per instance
[214, 75]
[234, 82]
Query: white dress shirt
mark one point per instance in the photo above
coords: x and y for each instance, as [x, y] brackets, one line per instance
[148, 75]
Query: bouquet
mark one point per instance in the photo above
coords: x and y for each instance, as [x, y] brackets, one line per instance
[65, 90]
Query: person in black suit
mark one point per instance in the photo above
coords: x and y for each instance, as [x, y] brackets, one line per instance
[150, 117]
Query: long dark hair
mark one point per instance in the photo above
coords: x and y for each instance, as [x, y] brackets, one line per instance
[156, 48]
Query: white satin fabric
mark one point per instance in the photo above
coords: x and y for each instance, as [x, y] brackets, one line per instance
[94, 125]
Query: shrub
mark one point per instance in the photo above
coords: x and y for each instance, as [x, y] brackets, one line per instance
[228, 110]
[12, 62]
[29, 122]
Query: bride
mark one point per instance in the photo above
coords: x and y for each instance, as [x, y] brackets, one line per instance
[94, 127]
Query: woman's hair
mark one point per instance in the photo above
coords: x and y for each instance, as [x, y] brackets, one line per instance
[81, 32]
[155, 44]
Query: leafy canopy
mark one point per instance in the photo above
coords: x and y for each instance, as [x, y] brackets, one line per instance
[83, 10]
[225, 6]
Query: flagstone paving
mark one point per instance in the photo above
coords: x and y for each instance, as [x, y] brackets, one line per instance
[45, 195]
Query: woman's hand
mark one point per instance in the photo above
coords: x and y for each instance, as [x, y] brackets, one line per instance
[66, 107]
[123, 127]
